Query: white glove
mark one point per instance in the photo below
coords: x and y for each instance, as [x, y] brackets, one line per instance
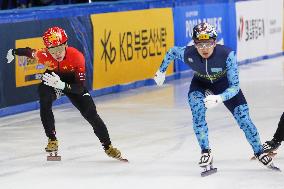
[53, 81]
[160, 78]
[212, 101]
[10, 56]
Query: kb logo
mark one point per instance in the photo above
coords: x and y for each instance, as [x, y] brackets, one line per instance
[109, 51]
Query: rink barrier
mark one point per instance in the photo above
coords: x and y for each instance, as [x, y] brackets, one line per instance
[260, 58]
[115, 89]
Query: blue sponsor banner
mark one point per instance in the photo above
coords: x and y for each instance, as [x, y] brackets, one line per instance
[220, 15]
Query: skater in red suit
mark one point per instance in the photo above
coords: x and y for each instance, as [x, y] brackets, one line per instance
[65, 74]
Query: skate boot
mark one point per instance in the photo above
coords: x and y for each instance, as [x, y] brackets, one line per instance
[271, 146]
[266, 160]
[114, 153]
[206, 162]
[52, 145]
[51, 149]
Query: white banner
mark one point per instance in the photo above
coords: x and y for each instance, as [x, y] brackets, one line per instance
[259, 32]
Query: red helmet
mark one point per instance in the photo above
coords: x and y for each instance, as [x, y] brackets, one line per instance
[54, 36]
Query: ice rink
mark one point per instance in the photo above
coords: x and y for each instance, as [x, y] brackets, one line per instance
[152, 127]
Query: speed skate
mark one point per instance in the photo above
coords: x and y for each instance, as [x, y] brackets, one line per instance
[208, 170]
[206, 163]
[267, 163]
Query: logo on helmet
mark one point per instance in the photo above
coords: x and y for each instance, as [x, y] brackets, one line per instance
[54, 37]
[203, 36]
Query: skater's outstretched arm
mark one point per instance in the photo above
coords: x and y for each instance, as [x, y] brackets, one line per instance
[28, 52]
[172, 54]
[51, 79]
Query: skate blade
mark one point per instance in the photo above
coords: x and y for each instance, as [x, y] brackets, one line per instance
[122, 159]
[208, 172]
[53, 157]
[274, 168]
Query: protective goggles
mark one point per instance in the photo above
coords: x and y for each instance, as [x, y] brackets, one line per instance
[204, 45]
[57, 49]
